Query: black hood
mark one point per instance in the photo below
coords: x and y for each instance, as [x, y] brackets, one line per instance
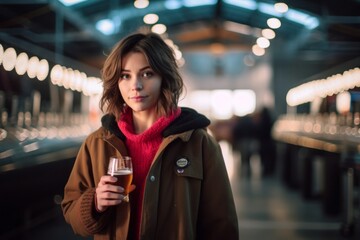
[189, 119]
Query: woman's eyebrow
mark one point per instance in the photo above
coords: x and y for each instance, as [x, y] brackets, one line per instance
[141, 69]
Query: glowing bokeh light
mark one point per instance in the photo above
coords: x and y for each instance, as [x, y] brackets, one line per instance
[9, 59]
[21, 63]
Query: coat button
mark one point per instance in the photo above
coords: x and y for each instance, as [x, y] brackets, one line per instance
[152, 178]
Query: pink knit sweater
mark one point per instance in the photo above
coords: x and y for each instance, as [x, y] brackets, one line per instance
[142, 149]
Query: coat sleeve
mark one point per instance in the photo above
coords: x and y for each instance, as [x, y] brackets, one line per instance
[78, 204]
[217, 216]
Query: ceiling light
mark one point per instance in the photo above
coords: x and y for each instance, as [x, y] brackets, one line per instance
[311, 23]
[197, 3]
[258, 51]
[268, 9]
[80, 82]
[151, 18]
[33, 67]
[43, 70]
[9, 59]
[69, 3]
[76, 78]
[56, 74]
[66, 78]
[273, 23]
[302, 18]
[263, 42]
[329, 86]
[159, 28]
[106, 26]
[169, 42]
[141, 3]
[21, 63]
[281, 7]
[248, 4]
[178, 54]
[173, 4]
[343, 102]
[268, 33]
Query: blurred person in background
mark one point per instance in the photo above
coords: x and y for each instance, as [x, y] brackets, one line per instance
[252, 136]
[267, 148]
[180, 187]
[245, 142]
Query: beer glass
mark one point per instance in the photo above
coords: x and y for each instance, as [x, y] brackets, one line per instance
[121, 168]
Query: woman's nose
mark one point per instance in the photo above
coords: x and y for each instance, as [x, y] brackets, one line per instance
[137, 85]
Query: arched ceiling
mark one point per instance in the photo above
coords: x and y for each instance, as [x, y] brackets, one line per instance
[50, 29]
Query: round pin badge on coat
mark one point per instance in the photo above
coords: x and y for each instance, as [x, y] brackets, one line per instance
[181, 164]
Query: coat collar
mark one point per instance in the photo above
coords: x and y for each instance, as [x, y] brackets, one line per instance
[188, 120]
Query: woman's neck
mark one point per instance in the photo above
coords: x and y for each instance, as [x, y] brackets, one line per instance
[144, 120]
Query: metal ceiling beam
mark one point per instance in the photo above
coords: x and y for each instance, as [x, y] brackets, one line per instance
[124, 13]
[47, 37]
[343, 19]
[76, 19]
[290, 48]
[24, 1]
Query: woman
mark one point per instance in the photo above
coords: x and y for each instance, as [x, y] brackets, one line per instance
[180, 184]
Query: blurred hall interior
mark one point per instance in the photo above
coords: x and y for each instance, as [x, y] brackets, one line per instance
[280, 81]
[267, 209]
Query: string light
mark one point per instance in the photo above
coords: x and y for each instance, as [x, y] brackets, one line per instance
[141, 3]
[151, 18]
[33, 67]
[42, 70]
[268, 33]
[159, 28]
[274, 23]
[21, 63]
[9, 59]
[258, 51]
[281, 7]
[332, 85]
[263, 42]
[59, 75]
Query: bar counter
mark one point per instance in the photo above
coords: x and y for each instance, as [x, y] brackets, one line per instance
[336, 140]
[34, 167]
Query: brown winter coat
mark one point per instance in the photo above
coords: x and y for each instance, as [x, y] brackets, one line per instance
[196, 203]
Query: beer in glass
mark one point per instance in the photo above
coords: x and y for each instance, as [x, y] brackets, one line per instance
[121, 168]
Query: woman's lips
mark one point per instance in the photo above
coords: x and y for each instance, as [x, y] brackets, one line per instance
[138, 98]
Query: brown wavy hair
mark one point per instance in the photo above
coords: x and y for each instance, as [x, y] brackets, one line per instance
[161, 59]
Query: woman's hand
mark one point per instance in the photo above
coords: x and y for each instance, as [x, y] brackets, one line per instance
[108, 194]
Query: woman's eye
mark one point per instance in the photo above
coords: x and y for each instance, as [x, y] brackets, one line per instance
[147, 74]
[124, 76]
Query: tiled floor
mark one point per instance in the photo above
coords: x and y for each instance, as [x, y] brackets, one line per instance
[266, 210]
[269, 210]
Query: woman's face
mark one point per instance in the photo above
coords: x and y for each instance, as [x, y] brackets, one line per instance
[139, 85]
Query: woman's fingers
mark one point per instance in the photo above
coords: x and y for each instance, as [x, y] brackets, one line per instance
[109, 191]
[107, 179]
[111, 188]
[108, 194]
[109, 198]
